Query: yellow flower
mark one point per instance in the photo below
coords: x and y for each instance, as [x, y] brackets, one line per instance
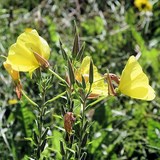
[143, 5]
[13, 73]
[29, 52]
[99, 87]
[134, 82]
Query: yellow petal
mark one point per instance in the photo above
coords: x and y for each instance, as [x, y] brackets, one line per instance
[134, 82]
[99, 87]
[13, 73]
[21, 55]
[21, 58]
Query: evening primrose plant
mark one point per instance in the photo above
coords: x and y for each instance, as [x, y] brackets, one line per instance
[31, 53]
[83, 87]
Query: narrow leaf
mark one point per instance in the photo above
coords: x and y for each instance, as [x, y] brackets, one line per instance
[45, 133]
[84, 140]
[43, 145]
[62, 148]
[64, 54]
[85, 126]
[84, 155]
[35, 137]
[63, 110]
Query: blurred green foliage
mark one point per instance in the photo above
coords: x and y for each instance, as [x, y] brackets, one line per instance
[122, 128]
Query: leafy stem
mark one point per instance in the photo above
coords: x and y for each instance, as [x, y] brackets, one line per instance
[40, 138]
[56, 75]
[83, 133]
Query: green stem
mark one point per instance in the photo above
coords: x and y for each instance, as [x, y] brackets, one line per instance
[81, 130]
[54, 98]
[55, 74]
[33, 103]
[83, 113]
[95, 102]
[41, 124]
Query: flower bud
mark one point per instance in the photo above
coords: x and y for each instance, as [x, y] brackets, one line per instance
[68, 121]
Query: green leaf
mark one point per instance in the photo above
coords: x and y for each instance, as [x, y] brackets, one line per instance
[26, 118]
[63, 152]
[57, 136]
[153, 133]
[64, 54]
[84, 155]
[45, 133]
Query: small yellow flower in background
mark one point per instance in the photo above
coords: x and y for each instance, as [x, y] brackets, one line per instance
[13, 73]
[134, 82]
[29, 52]
[143, 5]
[99, 87]
[12, 101]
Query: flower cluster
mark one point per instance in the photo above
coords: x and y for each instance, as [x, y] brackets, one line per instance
[31, 52]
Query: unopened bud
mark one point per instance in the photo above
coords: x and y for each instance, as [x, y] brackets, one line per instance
[19, 89]
[42, 62]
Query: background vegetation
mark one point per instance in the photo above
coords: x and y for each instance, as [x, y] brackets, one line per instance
[113, 30]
